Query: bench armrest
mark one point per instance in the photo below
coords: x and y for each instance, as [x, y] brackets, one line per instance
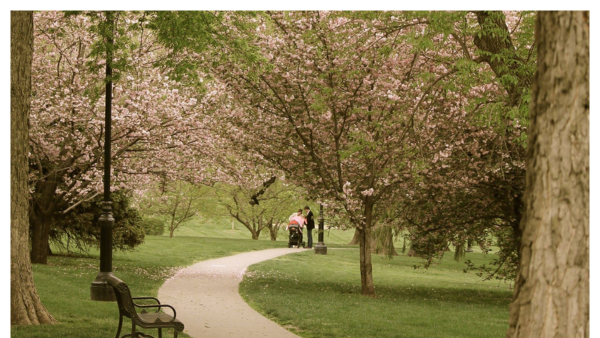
[154, 298]
[160, 306]
[138, 305]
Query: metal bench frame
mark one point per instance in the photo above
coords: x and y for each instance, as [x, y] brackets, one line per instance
[127, 308]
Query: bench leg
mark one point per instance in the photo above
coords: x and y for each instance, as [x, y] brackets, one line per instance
[120, 324]
[175, 335]
[159, 332]
[133, 333]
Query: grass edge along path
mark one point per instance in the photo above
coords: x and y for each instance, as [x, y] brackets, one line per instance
[319, 296]
[64, 284]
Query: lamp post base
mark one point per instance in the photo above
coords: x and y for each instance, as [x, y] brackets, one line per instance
[100, 290]
[320, 248]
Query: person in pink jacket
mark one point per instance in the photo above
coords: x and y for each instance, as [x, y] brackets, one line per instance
[299, 218]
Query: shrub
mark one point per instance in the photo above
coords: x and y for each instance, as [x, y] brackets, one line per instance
[153, 226]
[79, 230]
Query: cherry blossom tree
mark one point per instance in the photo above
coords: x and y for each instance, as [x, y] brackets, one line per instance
[331, 101]
[157, 122]
[472, 183]
[387, 107]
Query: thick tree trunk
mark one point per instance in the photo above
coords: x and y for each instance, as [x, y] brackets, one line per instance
[40, 233]
[25, 304]
[40, 217]
[366, 269]
[552, 287]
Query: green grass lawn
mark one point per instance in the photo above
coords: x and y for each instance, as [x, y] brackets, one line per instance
[64, 284]
[319, 296]
[324, 299]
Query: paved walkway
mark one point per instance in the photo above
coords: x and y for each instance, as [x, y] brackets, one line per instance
[206, 298]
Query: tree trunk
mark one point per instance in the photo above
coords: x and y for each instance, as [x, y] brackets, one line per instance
[459, 251]
[366, 269]
[518, 236]
[356, 238]
[25, 305]
[273, 230]
[383, 241]
[172, 226]
[173, 215]
[41, 210]
[552, 288]
[260, 227]
[40, 233]
[515, 225]
[248, 226]
[494, 39]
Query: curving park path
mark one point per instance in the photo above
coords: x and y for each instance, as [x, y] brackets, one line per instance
[207, 301]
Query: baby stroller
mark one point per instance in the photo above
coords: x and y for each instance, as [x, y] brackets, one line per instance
[295, 236]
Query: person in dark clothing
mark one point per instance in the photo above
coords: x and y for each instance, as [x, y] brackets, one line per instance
[310, 225]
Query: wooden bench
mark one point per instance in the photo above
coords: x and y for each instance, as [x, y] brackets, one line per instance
[152, 320]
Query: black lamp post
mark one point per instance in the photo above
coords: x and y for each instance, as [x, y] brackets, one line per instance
[100, 290]
[320, 248]
[469, 248]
